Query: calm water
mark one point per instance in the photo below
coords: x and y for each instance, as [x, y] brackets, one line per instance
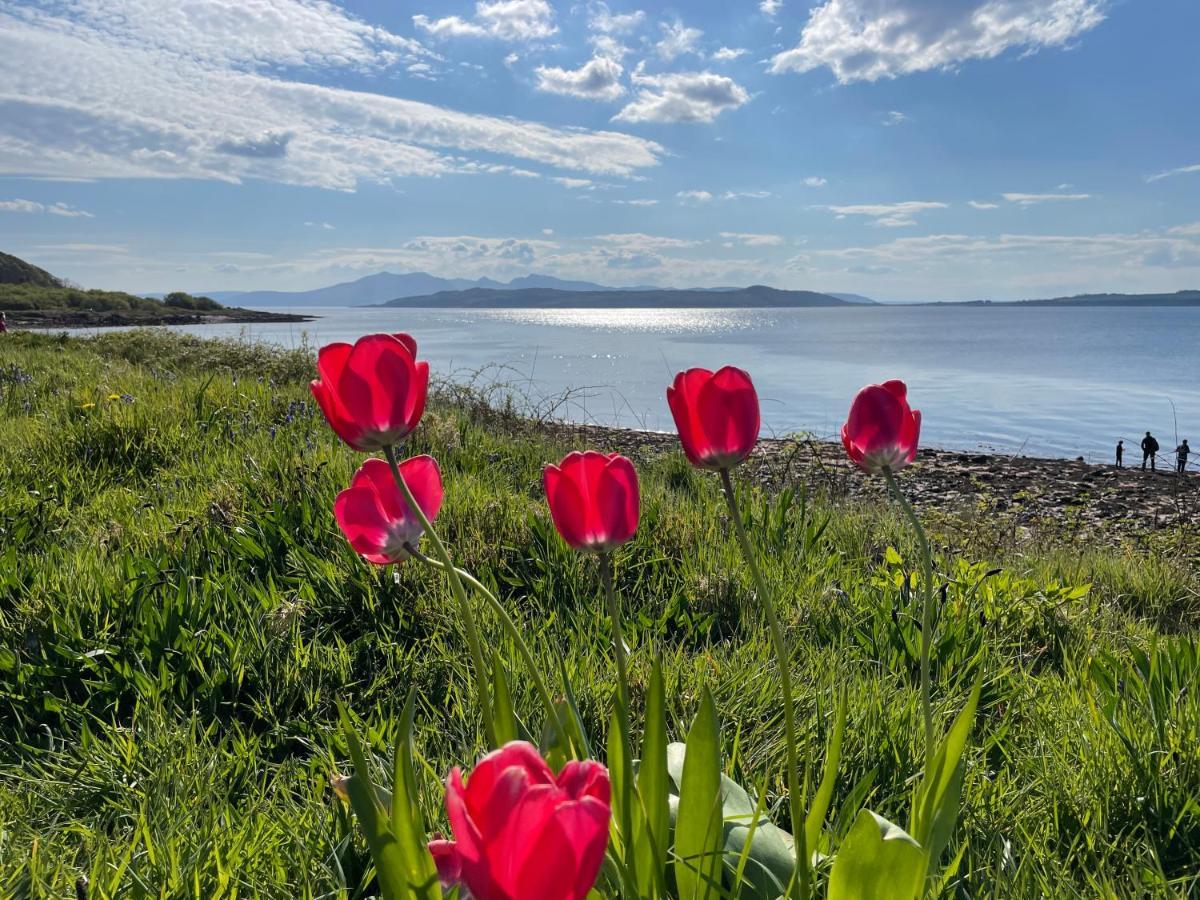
[1044, 382]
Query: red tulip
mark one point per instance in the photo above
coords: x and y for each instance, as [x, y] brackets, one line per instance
[520, 833]
[593, 499]
[372, 393]
[882, 431]
[716, 415]
[446, 859]
[373, 514]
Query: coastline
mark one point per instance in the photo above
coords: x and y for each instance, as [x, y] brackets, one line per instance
[75, 318]
[1031, 494]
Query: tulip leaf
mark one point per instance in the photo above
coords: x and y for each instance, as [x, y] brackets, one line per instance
[503, 715]
[653, 819]
[698, 832]
[408, 823]
[759, 856]
[877, 859]
[938, 796]
[374, 820]
[820, 802]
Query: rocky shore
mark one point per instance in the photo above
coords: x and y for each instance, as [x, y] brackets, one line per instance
[1028, 494]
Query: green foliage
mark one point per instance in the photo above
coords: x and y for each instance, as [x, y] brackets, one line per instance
[179, 618]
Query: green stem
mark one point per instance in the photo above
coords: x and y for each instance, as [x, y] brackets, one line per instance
[926, 609]
[481, 684]
[782, 659]
[618, 636]
[514, 633]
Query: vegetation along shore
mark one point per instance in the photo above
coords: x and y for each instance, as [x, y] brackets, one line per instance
[180, 617]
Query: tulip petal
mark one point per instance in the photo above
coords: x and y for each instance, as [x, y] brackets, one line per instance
[682, 397]
[374, 386]
[361, 519]
[727, 408]
[566, 507]
[617, 501]
[473, 863]
[569, 852]
[912, 434]
[409, 342]
[341, 424]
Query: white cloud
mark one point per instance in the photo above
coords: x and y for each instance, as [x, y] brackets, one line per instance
[745, 195]
[681, 97]
[639, 202]
[512, 59]
[508, 20]
[864, 40]
[975, 204]
[53, 209]
[574, 183]
[638, 241]
[1182, 170]
[725, 54]
[597, 79]
[77, 98]
[1192, 229]
[770, 7]
[1031, 199]
[322, 225]
[894, 117]
[677, 40]
[888, 215]
[752, 239]
[603, 20]
[815, 181]
[694, 196]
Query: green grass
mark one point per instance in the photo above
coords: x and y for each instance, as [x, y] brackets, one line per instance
[179, 617]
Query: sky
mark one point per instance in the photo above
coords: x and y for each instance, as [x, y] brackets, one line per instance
[902, 149]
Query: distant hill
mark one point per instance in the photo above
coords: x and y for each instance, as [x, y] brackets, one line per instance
[548, 298]
[17, 271]
[33, 298]
[373, 290]
[858, 299]
[1179, 298]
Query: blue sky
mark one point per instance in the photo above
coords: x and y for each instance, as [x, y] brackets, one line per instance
[905, 149]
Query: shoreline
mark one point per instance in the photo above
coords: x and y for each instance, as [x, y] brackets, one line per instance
[1028, 493]
[42, 320]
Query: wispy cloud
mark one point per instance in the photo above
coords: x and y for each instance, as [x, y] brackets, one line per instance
[894, 117]
[1031, 199]
[694, 196]
[770, 7]
[726, 54]
[677, 40]
[1170, 173]
[52, 209]
[889, 215]
[752, 239]
[976, 204]
[79, 100]
[815, 181]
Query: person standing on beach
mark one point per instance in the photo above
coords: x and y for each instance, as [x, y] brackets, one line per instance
[1181, 455]
[1120, 454]
[1149, 448]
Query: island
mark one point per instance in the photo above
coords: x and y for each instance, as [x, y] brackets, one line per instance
[31, 297]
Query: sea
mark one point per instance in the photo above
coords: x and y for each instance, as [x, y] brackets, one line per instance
[1032, 381]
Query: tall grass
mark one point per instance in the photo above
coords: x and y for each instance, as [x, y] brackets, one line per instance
[179, 616]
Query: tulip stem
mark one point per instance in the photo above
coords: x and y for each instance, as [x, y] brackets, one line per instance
[796, 800]
[507, 623]
[614, 615]
[464, 605]
[926, 609]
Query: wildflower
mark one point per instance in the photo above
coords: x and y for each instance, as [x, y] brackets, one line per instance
[716, 415]
[881, 431]
[88, 405]
[372, 392]
[373, 514]
[520, 831]
[593, 499]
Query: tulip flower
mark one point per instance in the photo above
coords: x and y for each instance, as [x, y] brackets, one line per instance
[716, 415]
[374, 515]
[881, 431]
[593, 499]
[520, 832]
[372, 392]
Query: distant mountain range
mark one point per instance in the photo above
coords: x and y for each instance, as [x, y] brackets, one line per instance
[373, 290]
[552, 298]
[1179, 298]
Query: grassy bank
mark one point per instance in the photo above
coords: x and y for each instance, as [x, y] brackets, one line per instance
[179, 615]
